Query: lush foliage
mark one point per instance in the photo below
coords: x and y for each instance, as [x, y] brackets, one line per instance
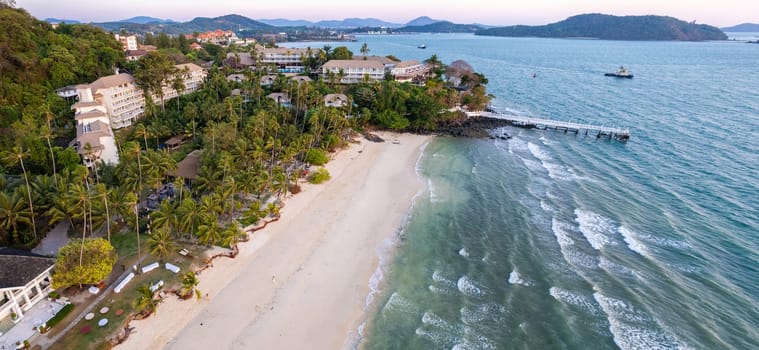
[319, 176]
[83, 262]
[317, 156]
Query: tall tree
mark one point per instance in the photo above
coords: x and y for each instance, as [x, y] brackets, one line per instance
[365, 50]
[13, 157]
[154, 70]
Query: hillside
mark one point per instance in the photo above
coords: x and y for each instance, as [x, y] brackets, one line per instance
[146, 19]
[421, 21]
[35, 59]
[441, 27]
[199, 24]
[744, 27]
[614, 28]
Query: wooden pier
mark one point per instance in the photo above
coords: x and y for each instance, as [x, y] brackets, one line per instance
[545, 124]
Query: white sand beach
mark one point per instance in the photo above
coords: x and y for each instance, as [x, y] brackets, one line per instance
[302, 282]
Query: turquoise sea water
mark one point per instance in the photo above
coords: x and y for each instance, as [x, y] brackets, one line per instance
[556, 241]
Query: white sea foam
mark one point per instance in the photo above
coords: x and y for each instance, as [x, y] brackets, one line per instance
[474, 314]
[595, 227]
[463, 252]
[468, 287]
[555, 171]
[631, 238]
[516, 278]
[398, 303]
[575, 299]
[560, 230]
[614, 268]
[545, 206]
[632, 328]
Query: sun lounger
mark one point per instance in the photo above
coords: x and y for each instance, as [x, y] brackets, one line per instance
[171, 267]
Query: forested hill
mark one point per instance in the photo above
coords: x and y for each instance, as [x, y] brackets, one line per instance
[35, 59]
[441, 27]
[614, 28]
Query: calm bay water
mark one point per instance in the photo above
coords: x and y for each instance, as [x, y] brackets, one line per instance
[551, 240]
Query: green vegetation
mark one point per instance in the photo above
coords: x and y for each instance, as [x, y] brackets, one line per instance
[615, 28]
[86, 261]
[59, 316]
[317, 156]
[319, 176]
[441, 27]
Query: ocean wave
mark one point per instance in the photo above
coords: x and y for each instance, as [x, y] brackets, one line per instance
[545, 206]
[471, 315]
[560, 230]
[632, 328]
[398, 303]
[516, 278]
[614, 268]
[469, 287]
[576, 300]
[633, 243]
[595, 227]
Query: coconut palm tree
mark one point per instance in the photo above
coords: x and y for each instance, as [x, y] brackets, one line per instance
[13, 211]
[103, 192]
[142, 131]
[190, 215]
[189, 285]
[145, 301]
[161, 243]
[365, 50]
[133, 201]
[209, 232]
[13, 157]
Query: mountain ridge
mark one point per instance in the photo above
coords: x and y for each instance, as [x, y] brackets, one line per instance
[743, 27]
[608, 27]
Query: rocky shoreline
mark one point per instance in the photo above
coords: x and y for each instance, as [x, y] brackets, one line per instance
[479, 127]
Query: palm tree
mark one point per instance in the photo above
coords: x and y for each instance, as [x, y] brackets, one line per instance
[133, 149]
[190, 214]
[17, 155]
[48, 134]
[133, 200]
[232, 235]
[145, 300]
[189, 285]
[161, 243]
[364, 50]
[142, 131]
[13, 211]
[209, 232]
[103, 192]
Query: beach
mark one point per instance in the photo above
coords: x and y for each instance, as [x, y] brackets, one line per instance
[303, 281]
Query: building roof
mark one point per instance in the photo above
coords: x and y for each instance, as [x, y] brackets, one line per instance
[189, 167]
[95, 113]
[266, 79]
[381, 59]
[279, 95]
[111, 81]
[85, 104]
[18, 267]
[355, 64]
[335, 97]
[301, 78]
[237, 77]
[175, 141]
[90, 133]
[190, 66]
[406, 64]
[245, 58]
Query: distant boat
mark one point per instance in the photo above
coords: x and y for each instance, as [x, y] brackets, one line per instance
[422, 46]
[622, 72]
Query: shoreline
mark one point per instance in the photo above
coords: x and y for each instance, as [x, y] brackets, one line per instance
[305, 281]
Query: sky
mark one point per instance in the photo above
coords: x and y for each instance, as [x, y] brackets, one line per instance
[492, 12]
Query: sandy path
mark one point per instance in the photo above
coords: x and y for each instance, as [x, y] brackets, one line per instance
[302, 282]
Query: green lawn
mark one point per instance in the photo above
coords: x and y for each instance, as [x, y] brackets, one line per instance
[97, 337]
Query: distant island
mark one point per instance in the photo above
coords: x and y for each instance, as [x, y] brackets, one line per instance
[743, 27]
[441, 27]
[609, 27]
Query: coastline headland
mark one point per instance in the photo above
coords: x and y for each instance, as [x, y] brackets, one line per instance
[303, 281]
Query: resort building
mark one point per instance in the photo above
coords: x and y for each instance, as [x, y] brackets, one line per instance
[24, 281]
[218, 37]
[115, 102]
[268, 80]
[353, 71]
[408, 71]
[277, 59]
[128, 42]
[237, 78]
[335, 100]
[281, 98]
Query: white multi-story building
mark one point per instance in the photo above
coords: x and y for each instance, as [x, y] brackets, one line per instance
[129, 42]
[282, 59]
[115, 102]
[353, 71]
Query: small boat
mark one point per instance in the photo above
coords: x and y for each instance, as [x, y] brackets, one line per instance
[622, 72]
[422, 46]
